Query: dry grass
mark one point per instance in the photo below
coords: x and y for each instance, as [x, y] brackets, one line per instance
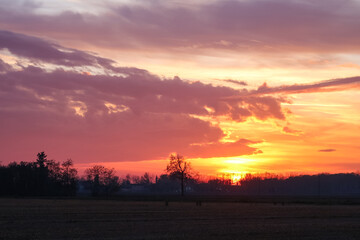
[105, 219]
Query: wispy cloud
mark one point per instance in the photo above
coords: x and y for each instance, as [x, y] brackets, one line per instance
[323, 86]
[291, 131]
[327, 150]
[241, 83]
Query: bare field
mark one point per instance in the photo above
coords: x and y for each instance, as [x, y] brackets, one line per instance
[111, 219]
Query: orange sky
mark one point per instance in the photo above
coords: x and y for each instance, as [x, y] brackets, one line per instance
[198, 87]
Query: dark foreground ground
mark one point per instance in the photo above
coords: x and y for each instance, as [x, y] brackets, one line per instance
[112, 219]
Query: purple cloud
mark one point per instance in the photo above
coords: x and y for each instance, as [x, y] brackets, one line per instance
[4, 67]
[39, 49]
[323, 86]
[257, 25]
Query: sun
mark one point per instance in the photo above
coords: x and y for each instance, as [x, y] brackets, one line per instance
[235, 179]
[234, 176]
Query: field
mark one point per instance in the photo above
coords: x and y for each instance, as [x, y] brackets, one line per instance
[113, 219]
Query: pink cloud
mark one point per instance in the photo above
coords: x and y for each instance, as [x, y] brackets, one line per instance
[291, 131]
[228, 149]
[131, 116]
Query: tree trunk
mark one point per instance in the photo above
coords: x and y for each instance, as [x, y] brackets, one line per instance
[182, 185]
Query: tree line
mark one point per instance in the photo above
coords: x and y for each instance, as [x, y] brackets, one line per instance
[45, 177]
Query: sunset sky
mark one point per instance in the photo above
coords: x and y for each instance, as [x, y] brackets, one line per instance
[236, 86]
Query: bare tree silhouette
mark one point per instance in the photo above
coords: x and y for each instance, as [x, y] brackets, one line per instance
[102, 180]
[179, 168]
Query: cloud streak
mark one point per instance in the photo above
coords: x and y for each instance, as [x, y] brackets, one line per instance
[327, 150]
[331, 85]
[323, 86]
[241, 83]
